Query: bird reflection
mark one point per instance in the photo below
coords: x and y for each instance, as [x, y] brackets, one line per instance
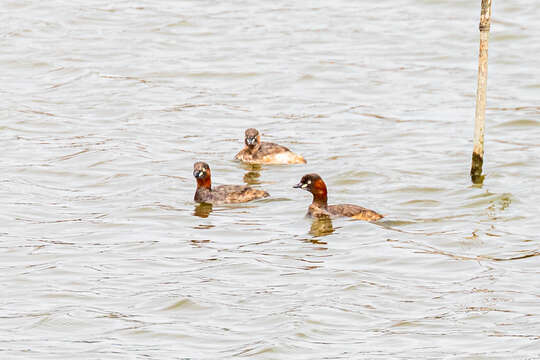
[203, 210]
[321, 227]
[251, 177]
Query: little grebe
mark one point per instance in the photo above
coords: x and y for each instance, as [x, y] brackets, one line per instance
[257, 152]
[319, 207]
[223, 194]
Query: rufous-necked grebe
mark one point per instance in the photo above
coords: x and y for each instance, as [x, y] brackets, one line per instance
[320, 208]
[223, 194]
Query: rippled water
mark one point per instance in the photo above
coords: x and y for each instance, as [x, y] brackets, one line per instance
[105, 107]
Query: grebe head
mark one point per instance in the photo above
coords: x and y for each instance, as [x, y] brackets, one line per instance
[252, 137]
[201, 170]
[310, 182]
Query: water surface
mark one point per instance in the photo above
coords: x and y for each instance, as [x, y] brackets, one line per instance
[106, 106]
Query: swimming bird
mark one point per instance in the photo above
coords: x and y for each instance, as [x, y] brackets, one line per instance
[320, 208]
[223, 194]
[257, 152]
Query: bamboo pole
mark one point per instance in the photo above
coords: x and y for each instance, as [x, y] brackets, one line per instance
[480, 114]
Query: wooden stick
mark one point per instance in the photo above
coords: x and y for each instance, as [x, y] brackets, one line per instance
[480, 115]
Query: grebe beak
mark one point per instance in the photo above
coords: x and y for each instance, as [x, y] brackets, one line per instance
[251, 141]
[198, 173]
[300, 186]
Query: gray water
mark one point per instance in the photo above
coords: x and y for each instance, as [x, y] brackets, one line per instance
[106, 106]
